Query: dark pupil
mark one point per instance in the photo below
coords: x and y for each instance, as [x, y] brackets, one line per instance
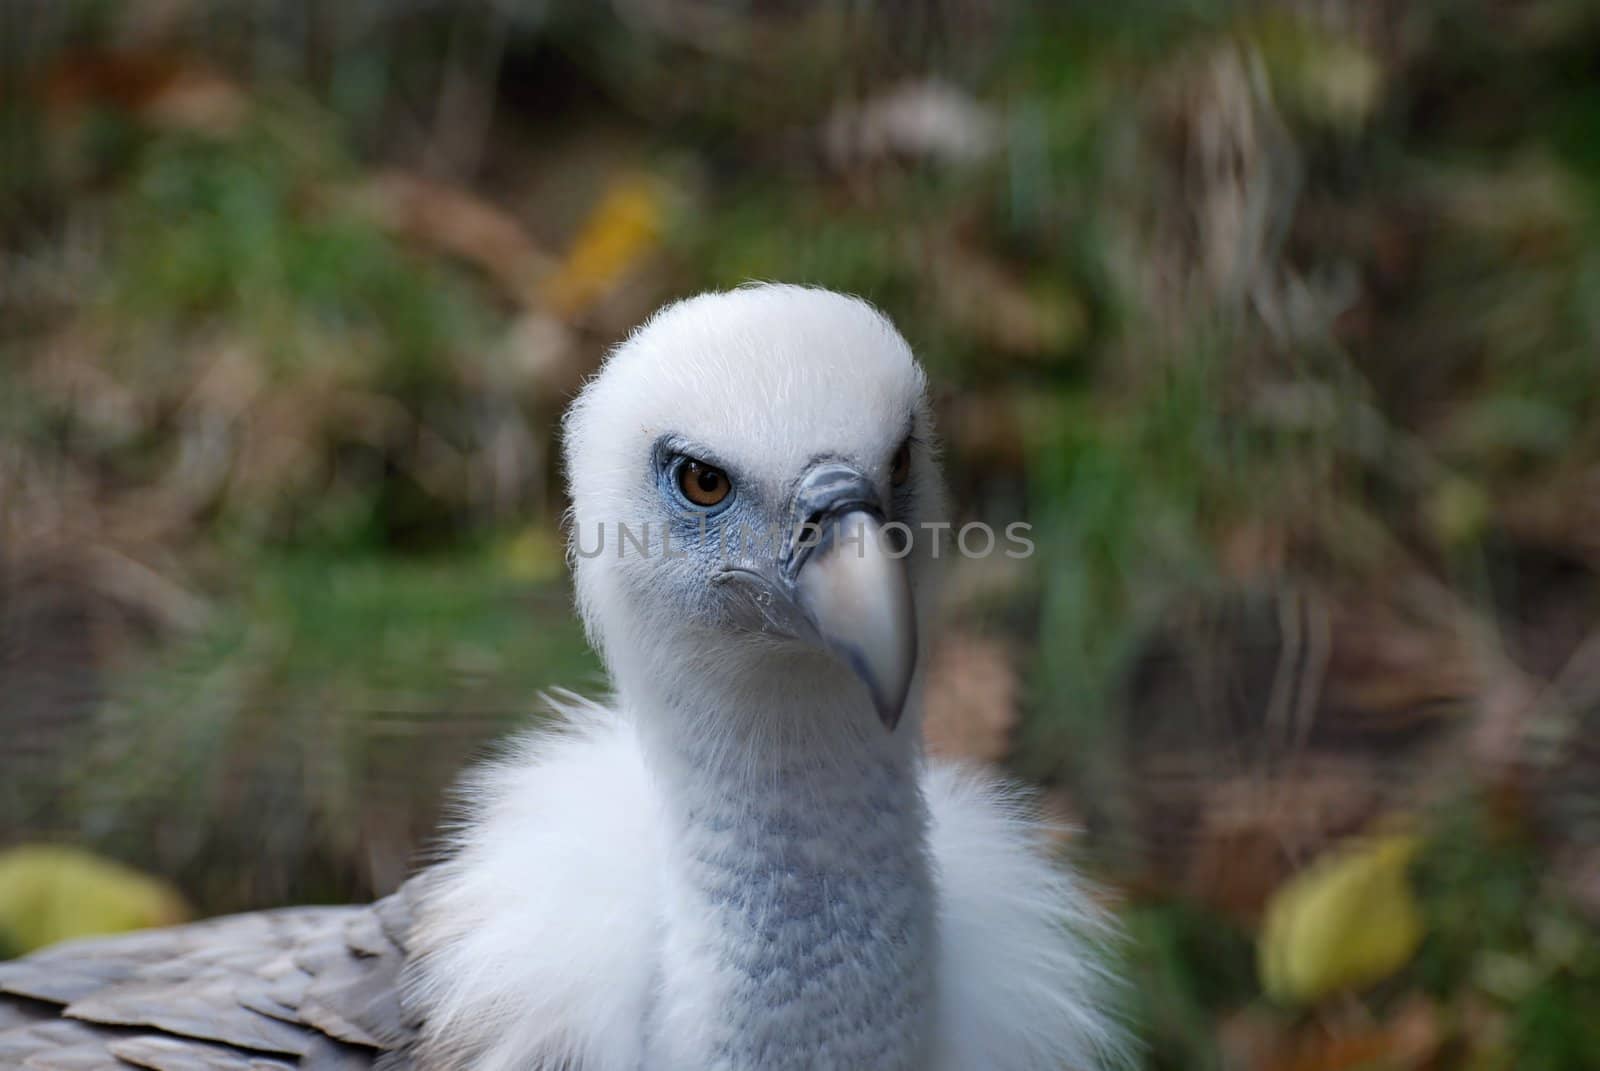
[708, 479]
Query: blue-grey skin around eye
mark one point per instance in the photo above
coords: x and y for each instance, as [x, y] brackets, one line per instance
[745, 521]
[744, 562]
[710, 535]
[695, 550]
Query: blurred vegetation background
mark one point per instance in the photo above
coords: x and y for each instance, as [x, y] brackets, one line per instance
[1280, 321]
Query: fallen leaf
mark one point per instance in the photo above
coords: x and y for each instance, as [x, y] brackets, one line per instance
[50, 893]
[537, 555]
[620, 233]
[1326, 78]
[1346, 921]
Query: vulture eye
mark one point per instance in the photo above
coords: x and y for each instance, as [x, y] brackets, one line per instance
[900, 467]
[703, 485]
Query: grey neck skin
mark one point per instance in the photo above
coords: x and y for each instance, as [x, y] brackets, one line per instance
[797, 906]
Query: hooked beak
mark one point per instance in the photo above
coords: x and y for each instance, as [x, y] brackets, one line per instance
[838, 586]
[859, 599]
[851, 588]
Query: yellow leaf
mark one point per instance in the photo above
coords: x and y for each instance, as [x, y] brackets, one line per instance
[1348, 920]
[50, 894]
[536, 556]
[1328, 78]
[621, 231]
[1458, 511]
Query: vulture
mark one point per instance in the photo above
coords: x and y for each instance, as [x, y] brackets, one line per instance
[742, 859]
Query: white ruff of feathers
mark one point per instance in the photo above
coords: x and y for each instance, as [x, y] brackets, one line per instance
[735, 867]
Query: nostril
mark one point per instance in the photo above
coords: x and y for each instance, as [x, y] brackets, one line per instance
[829, 490]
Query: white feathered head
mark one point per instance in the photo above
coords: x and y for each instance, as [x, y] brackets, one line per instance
[752, 473]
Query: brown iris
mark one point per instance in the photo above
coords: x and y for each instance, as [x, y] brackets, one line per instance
[702, 484]
[900, 467]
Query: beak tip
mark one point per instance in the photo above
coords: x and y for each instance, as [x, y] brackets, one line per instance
[887, 682]
[890, 706]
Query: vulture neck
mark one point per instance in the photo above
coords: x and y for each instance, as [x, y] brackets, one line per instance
[798, 907]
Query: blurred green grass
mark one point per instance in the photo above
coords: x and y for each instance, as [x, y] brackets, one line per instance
[328, 706]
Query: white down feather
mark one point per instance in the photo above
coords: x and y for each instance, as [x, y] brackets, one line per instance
[543, 930]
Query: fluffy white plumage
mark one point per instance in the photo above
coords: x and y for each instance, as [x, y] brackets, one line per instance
[741, 863]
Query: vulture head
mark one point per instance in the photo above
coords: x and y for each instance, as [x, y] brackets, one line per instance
[750, 474]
